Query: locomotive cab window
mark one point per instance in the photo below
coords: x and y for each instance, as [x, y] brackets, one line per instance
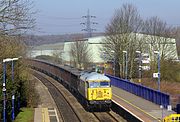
[105, 84]
[99, 84]
[94, 84]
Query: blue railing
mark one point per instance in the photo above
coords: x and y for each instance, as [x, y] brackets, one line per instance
[152, 95]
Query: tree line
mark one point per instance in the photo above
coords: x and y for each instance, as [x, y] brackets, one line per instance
[15, 20]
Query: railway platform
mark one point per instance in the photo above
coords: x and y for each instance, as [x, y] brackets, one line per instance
[45, 115]
[46, 108]
[142, 109]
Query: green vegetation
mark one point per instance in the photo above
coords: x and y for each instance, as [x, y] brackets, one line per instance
[25, 115]
[170, 71]
[11, 47]
[170, 77]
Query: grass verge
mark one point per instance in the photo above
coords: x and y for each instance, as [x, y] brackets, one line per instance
[25, 115]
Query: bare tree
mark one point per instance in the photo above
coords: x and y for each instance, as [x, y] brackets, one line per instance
[15, 16]
[160, 39]
[80, 54]
[11, 47]
[121, 35]
[57, 54]
[15, 19]
[175, 33]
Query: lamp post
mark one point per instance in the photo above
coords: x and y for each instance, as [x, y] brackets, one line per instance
[114, 63]
[161, 107]
[13, 92]
[4, 91]
[4, 87]
[126, 60]
[104, 57]
[139, 66]
[159, 74]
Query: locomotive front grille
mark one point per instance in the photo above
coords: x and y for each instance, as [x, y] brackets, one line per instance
[99, 94]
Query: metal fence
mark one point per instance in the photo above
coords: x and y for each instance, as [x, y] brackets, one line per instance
[152, 95]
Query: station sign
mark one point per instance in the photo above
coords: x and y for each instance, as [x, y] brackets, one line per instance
[155, 75]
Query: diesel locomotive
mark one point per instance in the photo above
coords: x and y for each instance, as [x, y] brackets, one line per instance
[92, 89]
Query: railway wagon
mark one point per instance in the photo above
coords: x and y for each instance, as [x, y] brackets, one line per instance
[93, 89]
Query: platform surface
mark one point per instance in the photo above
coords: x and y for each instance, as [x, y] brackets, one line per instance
[139, 107]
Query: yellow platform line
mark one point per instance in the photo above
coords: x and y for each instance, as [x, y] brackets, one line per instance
[45, 115]
[137, 108]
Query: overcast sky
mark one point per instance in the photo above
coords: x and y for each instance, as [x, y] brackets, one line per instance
[65, 16]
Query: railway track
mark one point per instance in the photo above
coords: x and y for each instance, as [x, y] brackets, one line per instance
[68, 106]
[67, 112]
[105, 117]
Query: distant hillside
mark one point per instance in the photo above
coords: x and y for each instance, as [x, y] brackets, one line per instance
[35, 40]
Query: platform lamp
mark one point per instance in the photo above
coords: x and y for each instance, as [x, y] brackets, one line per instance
[13, 92]
[4, 90]
[159, 74]
[139, 66]
[104, 57]
[114, 63]
[126, 60]
[4, 87]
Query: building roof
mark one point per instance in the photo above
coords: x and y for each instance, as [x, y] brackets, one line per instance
[96, 43]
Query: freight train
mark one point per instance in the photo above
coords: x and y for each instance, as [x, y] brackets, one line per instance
[91, 88]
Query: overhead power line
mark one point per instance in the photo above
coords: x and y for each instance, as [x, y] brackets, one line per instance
[88, 24]
[57, 25]
[58, 17]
